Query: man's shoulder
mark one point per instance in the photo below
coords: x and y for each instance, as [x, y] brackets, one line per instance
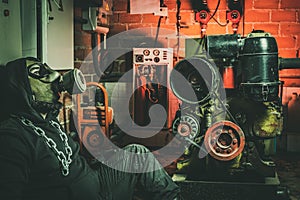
[10, 123]
[13, 127]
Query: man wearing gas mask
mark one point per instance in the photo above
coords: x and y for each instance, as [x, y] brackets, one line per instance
[39, 161]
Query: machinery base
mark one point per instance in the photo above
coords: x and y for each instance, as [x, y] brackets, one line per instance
[214, 190]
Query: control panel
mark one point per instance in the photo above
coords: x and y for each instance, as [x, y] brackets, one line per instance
[151, 68]
[157, 56]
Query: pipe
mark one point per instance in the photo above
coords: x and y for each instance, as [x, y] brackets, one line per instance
[289, 63]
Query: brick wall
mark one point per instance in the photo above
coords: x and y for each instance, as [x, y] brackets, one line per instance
[279, 17]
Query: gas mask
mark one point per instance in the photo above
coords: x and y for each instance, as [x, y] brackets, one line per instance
[72, 81]
[47, 84]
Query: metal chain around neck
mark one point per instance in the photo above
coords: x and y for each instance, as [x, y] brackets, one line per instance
[65, 160]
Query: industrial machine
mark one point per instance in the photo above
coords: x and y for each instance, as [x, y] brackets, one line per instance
[151, 68]
[231, 117]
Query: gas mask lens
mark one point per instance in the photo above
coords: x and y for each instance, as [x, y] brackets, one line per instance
[73, 82]
[42, 72]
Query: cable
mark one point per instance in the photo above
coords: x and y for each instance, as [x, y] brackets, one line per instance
[178, 17]
[202, 45]
[157, 31]
[217, 7]
[162, 4]
[219, 22]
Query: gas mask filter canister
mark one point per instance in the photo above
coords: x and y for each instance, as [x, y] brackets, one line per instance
[73, 82]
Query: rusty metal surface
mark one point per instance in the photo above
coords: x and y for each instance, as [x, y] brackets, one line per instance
[224, 140]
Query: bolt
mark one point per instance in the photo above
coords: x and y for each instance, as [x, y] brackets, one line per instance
[213, 141]
[229, 150]
[234, 141]
[183, 130]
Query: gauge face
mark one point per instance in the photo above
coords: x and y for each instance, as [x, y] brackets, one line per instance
[146, 52]
[156, 52]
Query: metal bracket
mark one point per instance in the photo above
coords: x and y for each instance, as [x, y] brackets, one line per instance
[265, 91]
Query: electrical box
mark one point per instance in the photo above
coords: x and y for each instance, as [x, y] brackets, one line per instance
[90, 15]
[105, 11]
[97, 17]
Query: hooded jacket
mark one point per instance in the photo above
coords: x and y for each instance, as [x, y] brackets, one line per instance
[29, 169]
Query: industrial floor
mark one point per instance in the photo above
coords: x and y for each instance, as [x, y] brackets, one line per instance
[288, 169]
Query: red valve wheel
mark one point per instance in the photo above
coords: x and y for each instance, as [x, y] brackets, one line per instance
[224, 140]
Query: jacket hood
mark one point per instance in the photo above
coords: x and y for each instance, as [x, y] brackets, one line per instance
[16, 92]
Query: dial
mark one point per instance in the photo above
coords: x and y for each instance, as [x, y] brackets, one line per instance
[156, 52]
[146, 52]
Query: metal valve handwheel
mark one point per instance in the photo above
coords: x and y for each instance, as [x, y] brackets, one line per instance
[224, 140]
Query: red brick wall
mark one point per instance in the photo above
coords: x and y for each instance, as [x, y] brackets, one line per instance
[279, 17]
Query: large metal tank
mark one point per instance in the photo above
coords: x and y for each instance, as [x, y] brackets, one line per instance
[259, 63]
